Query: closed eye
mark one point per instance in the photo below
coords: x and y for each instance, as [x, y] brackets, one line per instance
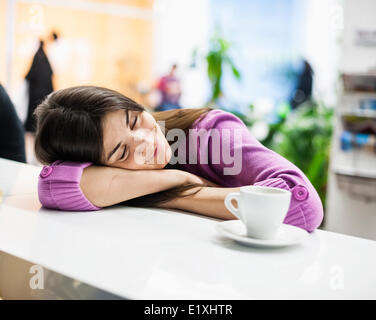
[134, 122]
[123, 154]
[132, 127]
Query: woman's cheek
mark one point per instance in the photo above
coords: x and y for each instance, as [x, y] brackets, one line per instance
[168, 154]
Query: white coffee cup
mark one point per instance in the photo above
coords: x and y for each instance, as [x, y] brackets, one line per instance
[261, 209]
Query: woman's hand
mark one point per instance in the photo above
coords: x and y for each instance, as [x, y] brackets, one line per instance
[180, 203]
[208, 202]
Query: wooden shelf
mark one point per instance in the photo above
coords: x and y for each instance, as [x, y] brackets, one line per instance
[349, 171]
[362, 82]
[366, 94]
[363, 113]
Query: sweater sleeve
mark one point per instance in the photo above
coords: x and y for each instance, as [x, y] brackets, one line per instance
[254, 164]
[59, 187]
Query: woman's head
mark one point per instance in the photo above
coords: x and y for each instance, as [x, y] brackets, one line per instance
[99, 125]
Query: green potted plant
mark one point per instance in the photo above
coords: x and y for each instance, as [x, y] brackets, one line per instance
[217, 58]
[304, 138]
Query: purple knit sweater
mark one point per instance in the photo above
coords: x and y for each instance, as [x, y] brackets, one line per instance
[59, 183]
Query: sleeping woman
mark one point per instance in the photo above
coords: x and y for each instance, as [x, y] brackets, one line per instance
[101, 148]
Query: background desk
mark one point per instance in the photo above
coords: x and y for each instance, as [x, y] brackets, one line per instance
[141, 253]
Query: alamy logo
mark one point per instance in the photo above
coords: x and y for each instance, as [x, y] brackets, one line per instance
[199, 147]
[37, 280]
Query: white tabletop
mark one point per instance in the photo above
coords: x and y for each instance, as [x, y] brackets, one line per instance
[141, 253]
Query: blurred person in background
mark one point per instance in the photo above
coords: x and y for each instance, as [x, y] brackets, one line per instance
[39, 78]
[304, 84]
[170, 89]
[12, 143]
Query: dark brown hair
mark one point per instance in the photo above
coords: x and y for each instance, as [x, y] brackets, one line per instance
[69, 128]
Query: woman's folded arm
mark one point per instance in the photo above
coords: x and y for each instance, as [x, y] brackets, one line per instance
[106, 186]
[76, 186]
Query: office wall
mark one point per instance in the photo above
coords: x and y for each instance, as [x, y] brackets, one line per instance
[137, 3]
[3, 6]
[111, 49]
[322, 37]
[359, 14]
[179, 28]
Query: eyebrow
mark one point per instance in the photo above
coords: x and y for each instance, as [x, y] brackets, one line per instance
[118, 145]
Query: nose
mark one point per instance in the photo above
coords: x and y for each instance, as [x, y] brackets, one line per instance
[143, 141]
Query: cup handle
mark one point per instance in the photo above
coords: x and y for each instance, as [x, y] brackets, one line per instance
[230, 207]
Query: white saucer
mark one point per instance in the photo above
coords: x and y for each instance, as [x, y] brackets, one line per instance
[287, 235]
